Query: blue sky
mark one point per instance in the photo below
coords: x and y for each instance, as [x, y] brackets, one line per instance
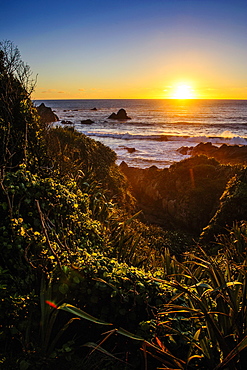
[121, 49]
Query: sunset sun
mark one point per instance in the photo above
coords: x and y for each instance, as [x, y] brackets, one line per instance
[183, 92]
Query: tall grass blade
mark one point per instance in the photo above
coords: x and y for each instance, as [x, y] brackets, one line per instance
[78, 312]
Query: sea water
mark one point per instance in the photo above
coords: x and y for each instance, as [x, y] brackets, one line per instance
[158, 128]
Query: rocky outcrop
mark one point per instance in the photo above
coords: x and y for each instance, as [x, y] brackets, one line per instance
[233, 154]
[130, 150]
[87, 122]
[120, 116]
[184, 196]
[65, 122]
[46, 114]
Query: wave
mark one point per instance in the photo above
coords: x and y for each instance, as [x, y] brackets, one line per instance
[227, 139]
[127, 136]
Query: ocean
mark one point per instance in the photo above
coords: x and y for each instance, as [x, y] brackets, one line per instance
[158, 128]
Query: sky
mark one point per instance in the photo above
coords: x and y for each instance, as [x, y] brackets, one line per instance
[117, 49]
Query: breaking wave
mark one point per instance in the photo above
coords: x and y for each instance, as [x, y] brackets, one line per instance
[224, 139]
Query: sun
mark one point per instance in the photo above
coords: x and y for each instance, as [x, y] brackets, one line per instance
[183, 92]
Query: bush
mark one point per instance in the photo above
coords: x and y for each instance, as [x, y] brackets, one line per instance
[70, 151]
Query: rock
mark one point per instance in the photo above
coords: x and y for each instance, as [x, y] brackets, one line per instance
[87, 122]
[130, 150]
[120, 116]
[185, 150]
[233, 154]
[64, 122]
[123, 166]
[46, 114]
[204, 148]
[94, 109]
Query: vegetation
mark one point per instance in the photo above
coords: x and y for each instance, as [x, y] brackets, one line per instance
[84, 284]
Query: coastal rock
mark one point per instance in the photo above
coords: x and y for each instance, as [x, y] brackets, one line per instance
[185, 150]
[130, 150]
[87, 122]
[233, 154]
[65, 122]
[120, 116]
[46, 114]
[94, 109]
[184, 196]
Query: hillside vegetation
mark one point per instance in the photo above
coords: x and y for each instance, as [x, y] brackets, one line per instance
[84, 284]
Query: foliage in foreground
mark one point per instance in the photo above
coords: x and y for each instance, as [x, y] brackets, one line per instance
[84, 284]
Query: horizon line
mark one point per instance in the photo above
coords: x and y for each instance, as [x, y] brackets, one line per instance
[187, 99]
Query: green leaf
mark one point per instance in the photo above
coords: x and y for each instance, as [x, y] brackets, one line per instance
[78, 312]
[128, 334]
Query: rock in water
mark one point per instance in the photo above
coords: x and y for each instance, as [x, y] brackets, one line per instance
[46, 114]
[64, 122]
[121, 115]
[87, 122]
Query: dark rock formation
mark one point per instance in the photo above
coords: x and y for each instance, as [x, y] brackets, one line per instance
[233, 154]
[87, 122]
[120, 116]
[185, 196]
[46, 114]
[130, 150]
[64, 122]
[94, 109]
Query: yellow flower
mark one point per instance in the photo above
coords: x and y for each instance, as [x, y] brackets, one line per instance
[22, 231]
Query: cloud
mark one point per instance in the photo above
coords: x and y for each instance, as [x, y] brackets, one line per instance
[83, 90]
[49, 91]
[52, 91]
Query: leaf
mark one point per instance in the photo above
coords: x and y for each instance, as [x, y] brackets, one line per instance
[128, 334]
[127, 222]
[202, 285]
[78, 312]
[242, 345]
[102, 350]
[194, 356]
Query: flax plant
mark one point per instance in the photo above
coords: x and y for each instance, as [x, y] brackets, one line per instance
[209, 299]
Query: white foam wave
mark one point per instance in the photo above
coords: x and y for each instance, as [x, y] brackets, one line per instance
[226, 137]
[234, 140]
[127, 136]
